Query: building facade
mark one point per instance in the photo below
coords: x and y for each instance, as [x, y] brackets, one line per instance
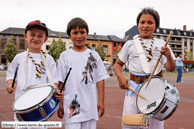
[108, 42]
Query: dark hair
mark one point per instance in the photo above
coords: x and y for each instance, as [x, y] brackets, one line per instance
[152, 12]
[77, 22]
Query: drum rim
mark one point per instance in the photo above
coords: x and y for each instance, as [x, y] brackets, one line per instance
[32, 108]
[162, 102]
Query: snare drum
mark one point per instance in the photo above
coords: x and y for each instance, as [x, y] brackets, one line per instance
[37, 104]
[162, 98]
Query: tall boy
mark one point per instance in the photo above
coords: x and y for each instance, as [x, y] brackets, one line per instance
[36, 34]
[79, 109]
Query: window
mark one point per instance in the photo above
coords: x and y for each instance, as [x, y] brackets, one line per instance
[191, 40]
[158, 30]
[105, 49]
[191, 34]
[164, 37]
[22, 44]
[178, 32]
[164, 31]
[185, 40]
[171, 31]
[47, 47]
[114, 45]
[3, 43]
[114, 52]
[158, 36]
[14, 41]
[70, 47]
[185, 33]
[93, 47]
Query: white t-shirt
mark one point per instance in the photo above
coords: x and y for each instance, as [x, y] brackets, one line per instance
[86, 64]
[31, 72]
[129, 53]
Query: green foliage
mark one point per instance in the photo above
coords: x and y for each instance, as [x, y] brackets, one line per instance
[118, 50]
[189, 56]
[100, 50]
[56, 48]
[89, 46]
[10, 50]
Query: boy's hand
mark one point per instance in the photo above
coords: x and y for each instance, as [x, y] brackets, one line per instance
[100, 107]
[9, 88]
[165, 51]
[60, 111]
[59, 96]
[123, 83]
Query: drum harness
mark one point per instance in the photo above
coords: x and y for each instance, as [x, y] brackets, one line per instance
[47, 71]
[144, 63]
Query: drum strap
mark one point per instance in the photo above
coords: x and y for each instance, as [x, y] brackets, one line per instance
[47, 71]
[143, 58]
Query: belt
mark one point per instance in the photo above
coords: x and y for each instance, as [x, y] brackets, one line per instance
[140, 79]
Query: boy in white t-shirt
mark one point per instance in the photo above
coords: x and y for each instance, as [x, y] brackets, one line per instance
[80, 106]
[36, 34]
[147, 21]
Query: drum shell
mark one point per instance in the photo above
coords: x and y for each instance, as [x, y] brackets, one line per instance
[168, 104]
[40, 112]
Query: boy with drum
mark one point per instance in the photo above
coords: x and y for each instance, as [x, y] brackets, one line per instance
[80, 106]
[36, 34]
[147, 21]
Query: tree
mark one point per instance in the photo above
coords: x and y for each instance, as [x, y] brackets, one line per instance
[189, 56]
[10, 50]
[89, 47]
[118, 50]
[100, 50]
[56, 48]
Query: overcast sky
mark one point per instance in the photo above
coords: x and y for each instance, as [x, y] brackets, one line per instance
[105, 17]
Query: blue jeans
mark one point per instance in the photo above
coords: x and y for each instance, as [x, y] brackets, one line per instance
[180, 72]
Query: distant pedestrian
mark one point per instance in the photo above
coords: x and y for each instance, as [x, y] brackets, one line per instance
[179, 67]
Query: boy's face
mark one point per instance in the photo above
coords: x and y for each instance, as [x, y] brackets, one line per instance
[78, 37]
[35, 37]
[146, 26]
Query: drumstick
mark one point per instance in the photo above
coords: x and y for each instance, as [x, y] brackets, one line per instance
[14, 77]
[137, 93]
[158, 61]
[65, 80]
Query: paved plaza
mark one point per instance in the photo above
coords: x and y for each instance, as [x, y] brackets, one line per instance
[183, 118]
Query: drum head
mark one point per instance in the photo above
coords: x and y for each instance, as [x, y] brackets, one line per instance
[32, 97]
[154, 94]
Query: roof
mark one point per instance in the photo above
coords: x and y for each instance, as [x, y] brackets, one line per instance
[20, 31]
[132, 31]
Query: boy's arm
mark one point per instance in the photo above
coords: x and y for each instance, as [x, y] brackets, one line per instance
[9, 88]
[60, 111]
[123, 83]
[100, 106]
[170, 63]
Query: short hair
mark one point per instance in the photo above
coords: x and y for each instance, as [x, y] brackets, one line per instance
[179, 54]
[77, 22]
[152, 12]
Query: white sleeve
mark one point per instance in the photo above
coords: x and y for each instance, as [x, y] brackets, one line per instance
[61, 68]
[12, 68]
[102, 73]
[52, 67]
[123, 54]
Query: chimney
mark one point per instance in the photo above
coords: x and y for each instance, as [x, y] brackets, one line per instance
[184, 27]
[95, 34]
